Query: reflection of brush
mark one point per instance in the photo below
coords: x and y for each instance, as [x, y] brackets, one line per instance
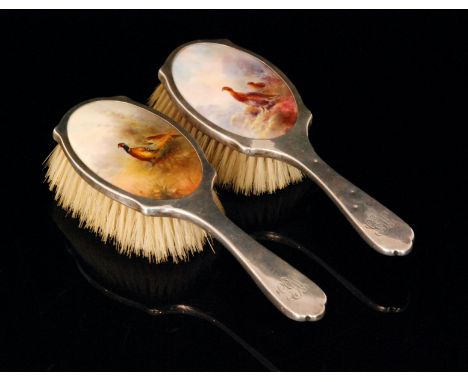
[163, 289]
[400, 302]
[134, 278]
[244, 174]
[261, 212]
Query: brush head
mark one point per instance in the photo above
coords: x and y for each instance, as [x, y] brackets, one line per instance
[242, 173]
[158, 239]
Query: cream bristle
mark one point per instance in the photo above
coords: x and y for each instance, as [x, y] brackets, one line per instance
[244, 174]
[158, 239]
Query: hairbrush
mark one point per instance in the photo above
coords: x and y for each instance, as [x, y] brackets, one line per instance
[236, 100]
[122, 169]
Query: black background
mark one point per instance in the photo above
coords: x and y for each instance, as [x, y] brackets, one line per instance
[388, 94]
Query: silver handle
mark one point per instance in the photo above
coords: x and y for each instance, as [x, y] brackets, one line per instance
[378, 226]
[290, 291]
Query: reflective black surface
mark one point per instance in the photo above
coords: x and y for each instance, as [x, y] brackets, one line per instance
[384, 88]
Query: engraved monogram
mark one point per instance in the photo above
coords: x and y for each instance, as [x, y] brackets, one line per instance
[380, 224]
[293, 289]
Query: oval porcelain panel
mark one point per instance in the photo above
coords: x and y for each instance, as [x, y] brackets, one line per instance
[134, 149]
[234, 90]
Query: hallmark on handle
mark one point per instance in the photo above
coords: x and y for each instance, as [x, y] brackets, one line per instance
[293, 289]
[379, 224]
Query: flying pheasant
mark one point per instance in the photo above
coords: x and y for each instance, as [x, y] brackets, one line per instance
[257, 99]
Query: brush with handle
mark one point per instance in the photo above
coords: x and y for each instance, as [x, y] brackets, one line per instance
[123, 163]
[241, 101]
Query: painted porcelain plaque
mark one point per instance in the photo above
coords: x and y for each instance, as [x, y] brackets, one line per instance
[234, 90]
[134, 149]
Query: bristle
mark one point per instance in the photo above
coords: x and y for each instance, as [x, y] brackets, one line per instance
[244, 174]
[158, 239]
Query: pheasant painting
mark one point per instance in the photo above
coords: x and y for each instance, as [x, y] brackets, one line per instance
[234, 90]
[269, 107]
[156, 149]
[163, 166]
[256, 99]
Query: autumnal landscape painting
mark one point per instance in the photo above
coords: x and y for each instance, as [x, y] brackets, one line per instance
[234, 90]
[134, 150]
